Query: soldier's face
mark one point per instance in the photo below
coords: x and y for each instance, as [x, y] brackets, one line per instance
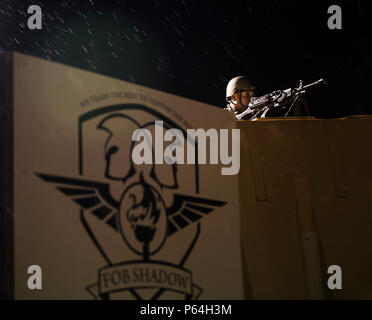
[246, 97]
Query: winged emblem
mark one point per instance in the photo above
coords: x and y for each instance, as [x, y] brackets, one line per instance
[144, 212]
[95, 197]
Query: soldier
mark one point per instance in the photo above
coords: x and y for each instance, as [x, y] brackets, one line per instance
[239, 93]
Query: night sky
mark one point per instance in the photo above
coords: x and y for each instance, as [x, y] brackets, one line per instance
[193, 48]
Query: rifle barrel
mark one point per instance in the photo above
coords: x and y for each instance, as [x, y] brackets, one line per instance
[315, 83]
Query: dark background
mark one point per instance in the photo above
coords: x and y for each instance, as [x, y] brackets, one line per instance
[192, 48]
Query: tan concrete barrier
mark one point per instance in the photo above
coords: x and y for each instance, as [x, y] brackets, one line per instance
[304, 191]
[98, 225]
[305, 199]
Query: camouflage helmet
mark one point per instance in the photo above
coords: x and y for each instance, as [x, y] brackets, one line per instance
[236, 84]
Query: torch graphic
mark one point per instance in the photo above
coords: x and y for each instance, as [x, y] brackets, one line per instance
[143, 219]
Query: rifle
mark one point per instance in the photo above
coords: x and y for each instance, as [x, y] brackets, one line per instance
[276, 99]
